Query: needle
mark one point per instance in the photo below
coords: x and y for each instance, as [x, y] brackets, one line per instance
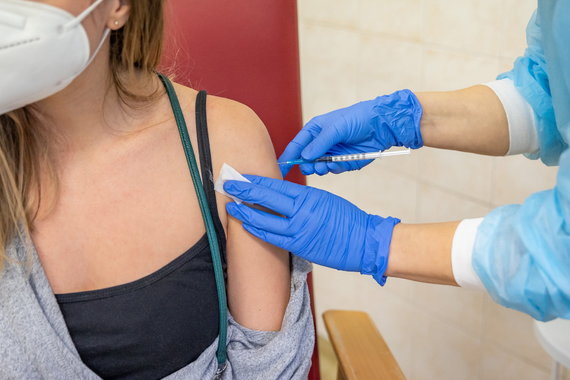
[349, 157]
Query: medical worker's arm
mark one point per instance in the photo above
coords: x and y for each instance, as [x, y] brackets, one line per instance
[521, 253]
[422, 252]
[469, 120]
[258, 273]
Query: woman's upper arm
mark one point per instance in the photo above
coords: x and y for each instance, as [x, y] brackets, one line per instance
[258, 273]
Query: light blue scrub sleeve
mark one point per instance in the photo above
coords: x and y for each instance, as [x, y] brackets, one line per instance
[530, 76]
[522, 252]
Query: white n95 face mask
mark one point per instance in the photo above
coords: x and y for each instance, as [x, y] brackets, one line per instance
[42, 50]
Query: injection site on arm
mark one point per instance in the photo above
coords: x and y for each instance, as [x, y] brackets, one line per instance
[228, 173]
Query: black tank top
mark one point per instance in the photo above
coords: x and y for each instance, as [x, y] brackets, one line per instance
[152, 327]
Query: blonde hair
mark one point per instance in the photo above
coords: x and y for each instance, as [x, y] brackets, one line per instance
[24, 156]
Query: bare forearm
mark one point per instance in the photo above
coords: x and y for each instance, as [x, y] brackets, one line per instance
[469, 120]
[422, 252]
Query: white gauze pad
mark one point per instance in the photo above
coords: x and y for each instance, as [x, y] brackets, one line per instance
[228, 173]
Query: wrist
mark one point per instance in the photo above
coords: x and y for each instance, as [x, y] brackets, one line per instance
[377, 247]
[398, 119]
[422, 252]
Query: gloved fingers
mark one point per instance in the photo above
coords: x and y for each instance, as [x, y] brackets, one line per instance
[296, 146]
[364, 163]
[284, 242]
[307, 169]
[285, 169]
[260, 219]
[261, 195]
[321, 168]
[328, 137]
[284, 187]
[337, 168]
[357, 165]
[294, 149]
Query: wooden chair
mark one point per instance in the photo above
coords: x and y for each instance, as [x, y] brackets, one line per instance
[360, 349]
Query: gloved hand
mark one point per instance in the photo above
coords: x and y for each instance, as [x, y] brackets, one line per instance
[316, 225]
[370, 126]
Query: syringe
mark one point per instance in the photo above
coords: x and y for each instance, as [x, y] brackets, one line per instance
[348, 157]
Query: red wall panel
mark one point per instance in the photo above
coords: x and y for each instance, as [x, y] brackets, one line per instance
[243, 50]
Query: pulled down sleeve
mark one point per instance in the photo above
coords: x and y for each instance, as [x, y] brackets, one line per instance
[276, 355]
[261, 355]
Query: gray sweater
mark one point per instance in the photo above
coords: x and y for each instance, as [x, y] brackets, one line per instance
[35, 343]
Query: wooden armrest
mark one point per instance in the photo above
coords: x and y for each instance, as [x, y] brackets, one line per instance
[361, 351]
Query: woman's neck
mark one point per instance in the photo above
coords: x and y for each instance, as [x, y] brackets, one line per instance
[89, 113]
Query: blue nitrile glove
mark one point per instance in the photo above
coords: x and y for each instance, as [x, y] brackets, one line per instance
[316, 225]
[370, 126]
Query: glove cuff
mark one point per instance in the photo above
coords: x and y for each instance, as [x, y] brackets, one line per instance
[398, 119]
[377, 247]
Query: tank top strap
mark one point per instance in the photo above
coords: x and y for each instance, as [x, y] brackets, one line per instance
[206, 167]
[207, 208]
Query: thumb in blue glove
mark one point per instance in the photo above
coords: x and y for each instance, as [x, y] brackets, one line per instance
[316, 225]
[369, 126]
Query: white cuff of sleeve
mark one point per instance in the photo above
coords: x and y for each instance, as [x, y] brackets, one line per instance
[462, 254]
[523, 137]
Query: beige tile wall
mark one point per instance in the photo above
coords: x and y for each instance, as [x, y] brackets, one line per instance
[357, 49]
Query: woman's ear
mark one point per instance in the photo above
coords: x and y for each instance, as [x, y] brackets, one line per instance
[119, 14]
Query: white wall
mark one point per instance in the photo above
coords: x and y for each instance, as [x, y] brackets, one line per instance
[357, 49]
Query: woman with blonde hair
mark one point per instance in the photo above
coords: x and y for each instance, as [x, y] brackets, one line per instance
[117, 254]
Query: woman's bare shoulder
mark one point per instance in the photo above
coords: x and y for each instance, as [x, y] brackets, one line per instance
[246, 142]
[237, 135]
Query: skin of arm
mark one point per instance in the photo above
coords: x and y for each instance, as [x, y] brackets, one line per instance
[258, 273]
[469, 120]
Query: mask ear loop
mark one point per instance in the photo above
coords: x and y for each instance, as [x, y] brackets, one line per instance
[79, 19]
[82, 16]
[103, 39]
